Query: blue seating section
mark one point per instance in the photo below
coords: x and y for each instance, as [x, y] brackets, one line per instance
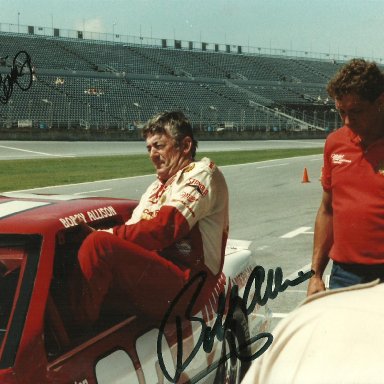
[105, 85]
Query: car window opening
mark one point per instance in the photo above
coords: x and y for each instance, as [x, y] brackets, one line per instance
[10, 262]
[61, 334]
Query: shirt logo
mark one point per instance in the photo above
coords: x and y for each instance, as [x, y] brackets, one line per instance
[148, 214]
[200, 187]
[339, 159]
[189, 167]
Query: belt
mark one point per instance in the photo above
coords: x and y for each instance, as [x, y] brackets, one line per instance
[363, 269]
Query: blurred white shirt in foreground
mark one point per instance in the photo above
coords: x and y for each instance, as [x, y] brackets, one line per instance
[333, 337]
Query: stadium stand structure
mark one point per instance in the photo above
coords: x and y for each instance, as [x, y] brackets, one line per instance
[104, 87]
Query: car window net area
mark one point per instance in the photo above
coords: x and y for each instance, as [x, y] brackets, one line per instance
[11, 261]
[61, 331]
[19, 258]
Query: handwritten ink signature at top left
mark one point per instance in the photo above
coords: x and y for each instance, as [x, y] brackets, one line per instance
[21, 74]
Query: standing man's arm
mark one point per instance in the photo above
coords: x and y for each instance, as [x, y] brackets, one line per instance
[323, 239]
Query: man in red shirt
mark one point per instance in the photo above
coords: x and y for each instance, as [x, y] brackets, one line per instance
[178, 229]
[349, 226]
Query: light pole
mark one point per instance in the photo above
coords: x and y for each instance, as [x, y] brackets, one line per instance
[10, 114]
[105, 117]
[137, 105]
[89, 116]
[201, 117]
[215, 115]
[18, 22]
[113, 31]
[69, 115]
[29, 108]
[125, 123]
[50, 120]
[242, 119]
[229, 114]
[324, 119]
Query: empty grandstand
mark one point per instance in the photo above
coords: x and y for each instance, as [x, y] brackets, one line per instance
[101, 88]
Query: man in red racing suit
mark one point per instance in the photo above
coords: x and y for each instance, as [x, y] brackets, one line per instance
[179, 228]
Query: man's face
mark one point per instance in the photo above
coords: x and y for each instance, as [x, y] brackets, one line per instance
[361, 116]
[165, 155]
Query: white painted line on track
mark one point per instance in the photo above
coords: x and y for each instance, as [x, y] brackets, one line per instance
[84, 183]
[304, 269]
[273, 165]
[293, 276]
[35, 152]
[269, 161]
[97, 190]
[302, 142]
[295, 233]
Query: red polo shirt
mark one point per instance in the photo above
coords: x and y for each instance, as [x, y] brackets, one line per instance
[356, 179]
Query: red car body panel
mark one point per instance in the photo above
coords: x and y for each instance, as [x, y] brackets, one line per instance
[35, 233]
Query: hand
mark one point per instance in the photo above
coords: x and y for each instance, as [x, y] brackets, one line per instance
[316, 284]
[84, 227]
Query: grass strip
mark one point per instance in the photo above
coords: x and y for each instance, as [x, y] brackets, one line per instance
[35, 173]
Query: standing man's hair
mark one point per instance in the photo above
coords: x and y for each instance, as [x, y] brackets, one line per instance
[175, 124]
[359, 77]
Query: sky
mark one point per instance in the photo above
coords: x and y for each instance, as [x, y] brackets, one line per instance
[343, 27]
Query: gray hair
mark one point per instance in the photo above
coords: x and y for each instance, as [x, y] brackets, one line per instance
[174, 124]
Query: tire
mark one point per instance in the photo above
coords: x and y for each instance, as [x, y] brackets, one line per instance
[233, 370]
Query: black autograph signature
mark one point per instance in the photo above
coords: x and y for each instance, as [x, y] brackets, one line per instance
[274, 286]
[21, 74]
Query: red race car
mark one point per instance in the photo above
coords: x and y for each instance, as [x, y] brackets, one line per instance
[39, 240]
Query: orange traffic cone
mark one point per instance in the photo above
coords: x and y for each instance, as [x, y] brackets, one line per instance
[305, 176]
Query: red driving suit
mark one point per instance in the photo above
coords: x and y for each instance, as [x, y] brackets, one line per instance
[178, 229]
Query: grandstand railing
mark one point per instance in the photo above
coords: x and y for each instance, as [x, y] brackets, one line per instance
[141, 40]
